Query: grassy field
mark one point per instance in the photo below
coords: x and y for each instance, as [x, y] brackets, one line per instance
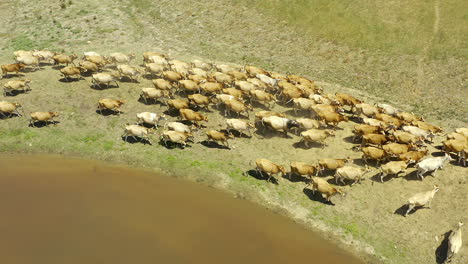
[431, 84]
[387, 26]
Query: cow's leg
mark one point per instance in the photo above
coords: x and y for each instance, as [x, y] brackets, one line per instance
[410, 207]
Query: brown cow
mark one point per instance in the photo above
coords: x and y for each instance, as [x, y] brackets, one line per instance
[62, 58]
[72, 71]
[324, 188]
[219, 136]
[302, 169]
[110, 104]
[270, 168]
[191, 115]
[332, 164]
[16, 68]
[199, 100]
[373, 153]
[177, 104]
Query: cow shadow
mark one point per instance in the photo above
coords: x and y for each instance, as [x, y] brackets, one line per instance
[201, 109]
[301, 144]
[442, 250]
[292, 177]
[355, 119]
[11, 75]
[316, 197]
[58, 67]
[40, 124]
[213, 144]
[8, 115]
[108, 112]
[87, 73]
[132, 140]
[333, 181]
[148, 125]
[267, 133]
[16, 92]
[150, 101]
[148, 76]
[256, 104]
[261, 176]
[172, 112]
[370, 162]
[297, 113]
[43, 64]
[402, 210]
[173, 145]
[31, 69]
[413, 176]
[334, 128]
[360, 162]
[103, 87]
[126, 79]
[438, 153]
[70, 80]
[236, 133]
[376, 178]
[350, 139]
[231, 114]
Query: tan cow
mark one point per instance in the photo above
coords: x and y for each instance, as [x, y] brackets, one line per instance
[110, 104]
[89, 66]
[350, 173]
[332, 164]
[237, 107]
[374, 153]
[325, 188]
[153, 94]
[239, 125]
[199, 100]
[315, 135]
[42, 116]
[137, 131]
[176, 137]
[268, 167]
[392, 167]
[64, 59]
[191, 115]
[217, 136]
[70, 71]
[100, 61]
[128, 71]
[9, 108]
[104, 78]
[177, 104]
[16, 85]
[302, 169]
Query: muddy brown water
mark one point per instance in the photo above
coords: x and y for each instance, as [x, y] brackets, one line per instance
[56, 210]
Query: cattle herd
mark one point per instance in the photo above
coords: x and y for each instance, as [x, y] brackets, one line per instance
[390, 138]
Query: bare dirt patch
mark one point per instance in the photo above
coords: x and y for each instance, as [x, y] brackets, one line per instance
[242, 36]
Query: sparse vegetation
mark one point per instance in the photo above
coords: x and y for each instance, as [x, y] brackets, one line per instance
[340, 43]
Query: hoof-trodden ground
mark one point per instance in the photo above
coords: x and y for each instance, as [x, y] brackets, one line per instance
[364, 220]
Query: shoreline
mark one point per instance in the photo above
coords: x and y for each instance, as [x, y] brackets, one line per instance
[339, 238]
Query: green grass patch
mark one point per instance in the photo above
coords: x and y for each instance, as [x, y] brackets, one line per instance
[377, 25]
[22, 42]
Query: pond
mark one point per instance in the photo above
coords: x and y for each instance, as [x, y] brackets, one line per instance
[56, 210]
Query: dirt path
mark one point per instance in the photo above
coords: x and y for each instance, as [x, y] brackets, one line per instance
[421, 76]
[6, 9]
